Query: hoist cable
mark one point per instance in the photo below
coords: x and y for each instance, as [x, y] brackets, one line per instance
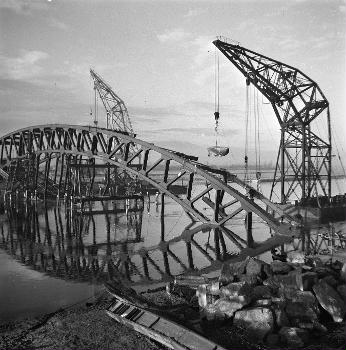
[246, 130]
[334, 136]
[258, 132]
[255, 117]
[217, 93]
[215, 81]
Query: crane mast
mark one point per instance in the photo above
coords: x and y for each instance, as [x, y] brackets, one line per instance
[303, 166]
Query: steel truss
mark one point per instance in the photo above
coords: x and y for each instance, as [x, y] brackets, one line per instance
[53, 147]
[303, 167]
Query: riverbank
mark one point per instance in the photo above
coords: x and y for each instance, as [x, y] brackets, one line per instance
[87, 327]
[84, 326]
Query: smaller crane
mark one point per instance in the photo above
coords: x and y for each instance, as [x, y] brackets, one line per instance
[117, 115]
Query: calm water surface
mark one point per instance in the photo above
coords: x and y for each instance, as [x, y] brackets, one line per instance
[52, 256]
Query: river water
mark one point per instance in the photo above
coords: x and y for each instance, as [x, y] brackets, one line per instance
[52, 255]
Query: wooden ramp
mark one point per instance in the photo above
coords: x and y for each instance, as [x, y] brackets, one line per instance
[158, 328]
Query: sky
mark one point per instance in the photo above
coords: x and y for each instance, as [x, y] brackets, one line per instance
[159, 58]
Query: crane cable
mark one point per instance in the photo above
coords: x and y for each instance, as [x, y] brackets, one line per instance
[246, 132]
[257, 137]
[252, 99]
[217, 94]
[255, 117]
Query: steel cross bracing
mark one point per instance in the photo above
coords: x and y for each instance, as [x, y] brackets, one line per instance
[56, 144]
[303, 166]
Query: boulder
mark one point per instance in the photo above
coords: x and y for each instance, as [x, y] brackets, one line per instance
[258, 321]
[201, 294]
[293, 336]
[299, 296]
[320, 327]
[296, 257]
[342, 291]
[281, 267]
[343, 273]
[213, 288]
[261, 292]
[226, 275]
[272, 339]
[210, 312]
[239, 292]
[307, 267]
[315, 261]
[330, 280]
[226, 307]
[267, 270]
[238, 268]
[301, 312]
[330, 300]
[281, 318]
[272, 284]
[280, 301]
[336, 265]
[306, 325]
[254, 267]
[296, 280]
[323, 271]
[262, 302]
[306, 280]
[251, 280]
[288, 281]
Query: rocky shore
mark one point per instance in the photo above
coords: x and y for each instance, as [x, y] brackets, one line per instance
[283, 304]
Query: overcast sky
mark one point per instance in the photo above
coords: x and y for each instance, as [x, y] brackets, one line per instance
[158, 57]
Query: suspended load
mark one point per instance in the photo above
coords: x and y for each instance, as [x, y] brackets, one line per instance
[218, 151]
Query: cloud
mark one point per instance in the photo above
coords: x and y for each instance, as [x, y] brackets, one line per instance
[342, 9]
[23, 6]
[173, 35]
[23, 67]
[204, 47]
[195, 12]
[55, 23]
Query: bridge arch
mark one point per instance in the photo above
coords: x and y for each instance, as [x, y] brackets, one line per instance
[224, 193]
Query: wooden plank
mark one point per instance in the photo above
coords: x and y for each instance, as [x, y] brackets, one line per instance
[167, 332]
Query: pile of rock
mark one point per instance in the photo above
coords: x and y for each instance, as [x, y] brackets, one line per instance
[277, 303]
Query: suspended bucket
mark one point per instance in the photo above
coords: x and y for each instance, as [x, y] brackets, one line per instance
[218, 151]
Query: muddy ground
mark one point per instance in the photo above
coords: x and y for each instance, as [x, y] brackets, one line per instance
[82, 327]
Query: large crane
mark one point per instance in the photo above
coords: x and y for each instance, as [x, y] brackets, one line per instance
[303, 167]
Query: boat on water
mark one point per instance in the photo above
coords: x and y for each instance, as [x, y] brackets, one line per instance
[151, 322]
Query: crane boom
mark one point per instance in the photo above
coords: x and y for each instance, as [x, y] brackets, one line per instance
[303, 165]
[117, 115]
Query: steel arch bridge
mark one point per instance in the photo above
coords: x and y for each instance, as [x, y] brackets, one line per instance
[55, 147]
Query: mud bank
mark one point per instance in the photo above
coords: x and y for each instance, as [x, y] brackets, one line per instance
[85, 326]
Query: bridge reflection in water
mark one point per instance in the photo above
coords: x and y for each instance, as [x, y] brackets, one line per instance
[109, 240]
